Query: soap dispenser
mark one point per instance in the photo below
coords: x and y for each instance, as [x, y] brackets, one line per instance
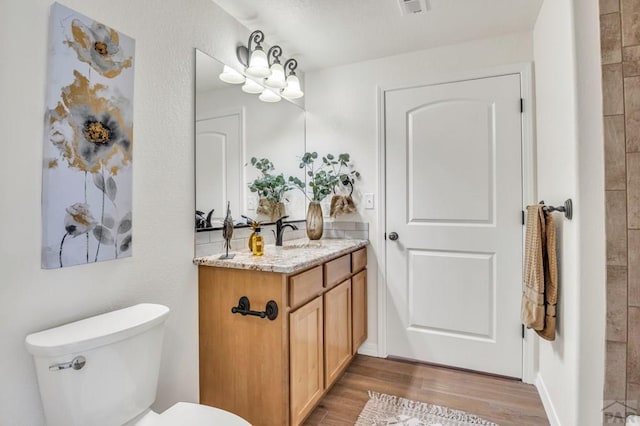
[258, 243]
[254, 225]
[252, 238]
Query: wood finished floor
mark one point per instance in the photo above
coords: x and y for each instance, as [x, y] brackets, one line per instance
[504, 401]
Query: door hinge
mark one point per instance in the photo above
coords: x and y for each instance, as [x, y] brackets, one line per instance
[522, 325]
[521, 105]
[385, 236]
[523, 217]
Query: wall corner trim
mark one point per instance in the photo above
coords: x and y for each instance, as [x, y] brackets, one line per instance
[369, 349]
[549, 408]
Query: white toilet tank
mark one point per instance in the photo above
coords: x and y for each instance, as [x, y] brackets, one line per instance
[101, 370]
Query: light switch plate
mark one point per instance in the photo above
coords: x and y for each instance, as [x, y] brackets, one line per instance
[368, 200]
[251, 203]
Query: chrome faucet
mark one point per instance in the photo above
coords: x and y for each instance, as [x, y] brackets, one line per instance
[280, 227]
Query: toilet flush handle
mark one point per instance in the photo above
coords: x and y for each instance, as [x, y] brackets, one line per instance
[77, 363]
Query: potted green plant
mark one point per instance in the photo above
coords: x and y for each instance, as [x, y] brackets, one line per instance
[271, 189]
[322, 180]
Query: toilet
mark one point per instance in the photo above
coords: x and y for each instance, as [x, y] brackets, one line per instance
[103, 371]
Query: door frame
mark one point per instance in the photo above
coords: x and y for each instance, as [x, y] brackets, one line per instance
[525, 71]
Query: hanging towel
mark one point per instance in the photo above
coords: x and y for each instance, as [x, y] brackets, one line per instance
[540, 293]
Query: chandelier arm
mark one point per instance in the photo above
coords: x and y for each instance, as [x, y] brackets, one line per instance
[291, 65]
[275, 52]
[256, 37]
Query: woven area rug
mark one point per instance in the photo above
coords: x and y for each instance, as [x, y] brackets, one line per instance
[384, 410]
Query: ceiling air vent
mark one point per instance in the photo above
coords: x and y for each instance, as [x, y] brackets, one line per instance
[411, 7]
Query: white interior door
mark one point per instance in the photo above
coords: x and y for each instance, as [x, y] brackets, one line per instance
[454, 198]
[219, 164]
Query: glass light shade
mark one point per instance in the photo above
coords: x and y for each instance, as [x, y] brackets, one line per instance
[258, 64]
[229, 75]
[276, 79]
[251, 86]
[269, 96]
[292, 91]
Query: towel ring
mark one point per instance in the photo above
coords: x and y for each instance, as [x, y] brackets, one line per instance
[346, 182]
[567, 208]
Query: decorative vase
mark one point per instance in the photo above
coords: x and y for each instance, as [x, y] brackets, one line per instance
[274, 210]
[315, 222]
[277, 210]
[264, 207]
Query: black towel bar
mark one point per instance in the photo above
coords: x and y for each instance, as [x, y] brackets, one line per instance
[567, 209]
[244, 308]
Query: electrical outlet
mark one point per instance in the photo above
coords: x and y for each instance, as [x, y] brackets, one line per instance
[368, 200]
[251, 203]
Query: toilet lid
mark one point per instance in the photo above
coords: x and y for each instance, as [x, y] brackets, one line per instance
[187, 414]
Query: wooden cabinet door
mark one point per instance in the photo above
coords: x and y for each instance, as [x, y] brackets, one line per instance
[306, 358]
[337, 331]
[359, 307]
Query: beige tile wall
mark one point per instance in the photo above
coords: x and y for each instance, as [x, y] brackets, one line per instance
[620, 42]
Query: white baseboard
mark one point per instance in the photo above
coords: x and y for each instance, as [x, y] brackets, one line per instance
[552, 415]
[369, 349]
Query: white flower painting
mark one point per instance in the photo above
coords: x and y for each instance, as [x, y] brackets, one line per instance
[87, 170]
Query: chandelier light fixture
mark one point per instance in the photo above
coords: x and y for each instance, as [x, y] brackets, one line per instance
[229, 75]
[252, 86]
[265, 74]
[269, 96]
[292, 88]
[258, 63]
[276, 79]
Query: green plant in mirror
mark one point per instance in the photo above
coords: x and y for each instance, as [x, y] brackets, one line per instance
[324, 178]
[270, 188]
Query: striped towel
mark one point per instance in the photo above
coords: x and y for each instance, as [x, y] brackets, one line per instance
[540, 293]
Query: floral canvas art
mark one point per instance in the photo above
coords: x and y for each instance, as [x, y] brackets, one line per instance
[87, 170]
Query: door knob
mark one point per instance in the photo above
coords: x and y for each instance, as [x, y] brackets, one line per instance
[393, 236]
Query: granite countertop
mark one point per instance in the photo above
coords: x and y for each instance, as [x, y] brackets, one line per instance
[293, 256]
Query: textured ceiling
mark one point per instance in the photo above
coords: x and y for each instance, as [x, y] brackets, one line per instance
[324, 33]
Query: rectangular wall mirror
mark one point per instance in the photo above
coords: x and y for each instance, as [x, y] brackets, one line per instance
[231, 128]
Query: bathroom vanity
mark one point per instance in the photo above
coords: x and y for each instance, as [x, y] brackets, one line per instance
[277, 331]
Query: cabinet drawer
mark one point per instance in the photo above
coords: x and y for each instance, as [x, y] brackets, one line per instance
[359, 259]
[305, 286]
[337, 270]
